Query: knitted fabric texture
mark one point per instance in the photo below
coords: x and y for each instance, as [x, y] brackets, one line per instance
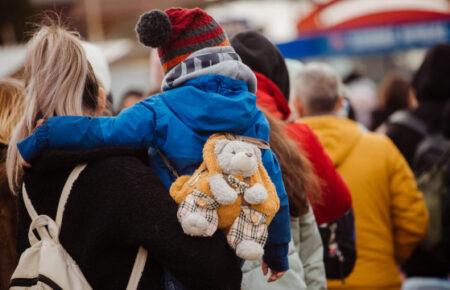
[103, 222]
[178, 32]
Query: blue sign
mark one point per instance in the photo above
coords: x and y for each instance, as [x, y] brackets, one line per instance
[372, 40]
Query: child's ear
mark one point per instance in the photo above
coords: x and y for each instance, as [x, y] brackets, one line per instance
[101, 102]
[220, 144]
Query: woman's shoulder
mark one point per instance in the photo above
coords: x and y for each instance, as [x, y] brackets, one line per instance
[125, 164]
[109, 169]
[128, 169]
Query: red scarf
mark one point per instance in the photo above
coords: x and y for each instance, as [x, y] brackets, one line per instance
[270, 98]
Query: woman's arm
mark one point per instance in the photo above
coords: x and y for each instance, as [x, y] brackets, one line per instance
[133, 127]
[198, 263]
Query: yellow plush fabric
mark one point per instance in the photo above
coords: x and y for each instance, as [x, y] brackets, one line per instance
[184, 185]
[390, 213]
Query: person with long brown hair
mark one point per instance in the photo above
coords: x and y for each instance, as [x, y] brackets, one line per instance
[303, 189]
[11, 105]
[273, 96]
[303, 186]
[301, 183]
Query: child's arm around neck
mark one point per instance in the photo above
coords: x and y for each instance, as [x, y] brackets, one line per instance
[133, 127]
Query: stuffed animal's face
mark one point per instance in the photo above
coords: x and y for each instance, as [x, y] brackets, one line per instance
[237, 157]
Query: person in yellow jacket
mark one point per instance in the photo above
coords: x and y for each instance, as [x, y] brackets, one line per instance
[390, 213]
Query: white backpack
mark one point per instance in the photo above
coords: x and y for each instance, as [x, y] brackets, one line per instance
[46, 264]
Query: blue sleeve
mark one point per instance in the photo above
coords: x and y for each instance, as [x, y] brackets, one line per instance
[133, 127]
[277, 246]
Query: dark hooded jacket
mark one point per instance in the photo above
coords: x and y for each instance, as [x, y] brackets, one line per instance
[116, 205]
[432, 86]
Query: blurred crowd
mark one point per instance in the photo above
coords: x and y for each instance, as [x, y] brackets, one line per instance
[364, 167]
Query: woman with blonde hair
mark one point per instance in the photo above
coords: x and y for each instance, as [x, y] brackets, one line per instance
[117, 204]
[11, 105]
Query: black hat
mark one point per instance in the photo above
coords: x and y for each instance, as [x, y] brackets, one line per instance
[263, 57]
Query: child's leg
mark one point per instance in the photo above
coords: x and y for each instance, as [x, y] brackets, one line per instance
[248, 234]
[198, 215]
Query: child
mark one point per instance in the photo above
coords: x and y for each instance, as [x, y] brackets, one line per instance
[206, 89]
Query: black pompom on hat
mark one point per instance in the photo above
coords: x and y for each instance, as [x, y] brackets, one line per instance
[154, 28]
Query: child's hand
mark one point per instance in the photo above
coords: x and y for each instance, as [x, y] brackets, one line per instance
[274, 275]
[38, 123]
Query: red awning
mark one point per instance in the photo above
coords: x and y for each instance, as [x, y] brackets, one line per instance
[350, 14]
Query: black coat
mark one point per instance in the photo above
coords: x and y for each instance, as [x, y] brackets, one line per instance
[423, 263]
[407, 139]
[116, 205]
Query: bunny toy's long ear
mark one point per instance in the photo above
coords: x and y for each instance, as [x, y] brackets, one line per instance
[257, 153]
[220, 145]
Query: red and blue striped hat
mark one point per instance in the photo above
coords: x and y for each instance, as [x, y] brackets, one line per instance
[178, 32]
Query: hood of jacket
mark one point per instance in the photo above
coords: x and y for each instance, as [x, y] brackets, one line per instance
[338, 136]
[214, 103]
[270, 98]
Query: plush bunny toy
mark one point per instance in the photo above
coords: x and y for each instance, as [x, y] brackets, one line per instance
[231, 190]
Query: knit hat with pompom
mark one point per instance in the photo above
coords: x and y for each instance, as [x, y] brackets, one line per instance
[178, 32]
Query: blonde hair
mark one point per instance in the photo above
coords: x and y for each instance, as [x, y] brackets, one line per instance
[59, 81]
[12, 94]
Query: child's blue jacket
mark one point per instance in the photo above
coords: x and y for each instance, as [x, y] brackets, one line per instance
[177, 122]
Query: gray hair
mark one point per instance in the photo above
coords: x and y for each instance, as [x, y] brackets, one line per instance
[318, 87]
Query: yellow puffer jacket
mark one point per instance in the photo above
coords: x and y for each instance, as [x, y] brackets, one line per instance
[390, 213]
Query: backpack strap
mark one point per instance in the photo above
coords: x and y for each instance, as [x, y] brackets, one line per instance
[31, 211]
[28, 205]
[261, 144]
[406, 119]
[141, 256]
[168, 164]
[62, 200]
[66, 192]
[138, 269]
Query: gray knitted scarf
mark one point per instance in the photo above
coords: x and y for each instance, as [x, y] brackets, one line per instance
[221, 60]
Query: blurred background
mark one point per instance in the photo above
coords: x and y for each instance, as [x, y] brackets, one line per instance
[362, 39]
